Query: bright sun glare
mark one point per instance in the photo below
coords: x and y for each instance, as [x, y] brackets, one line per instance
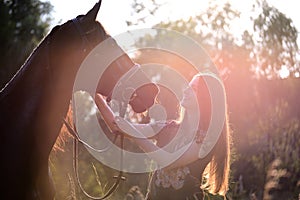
[114, 17]
[114, 13]
[284, 72]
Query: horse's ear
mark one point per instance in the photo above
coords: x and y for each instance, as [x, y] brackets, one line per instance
[92, 14]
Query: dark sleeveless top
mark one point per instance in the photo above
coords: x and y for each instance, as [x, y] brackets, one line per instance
[182, 183]
[186, 185]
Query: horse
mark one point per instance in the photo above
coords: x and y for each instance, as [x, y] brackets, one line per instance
[35, 101]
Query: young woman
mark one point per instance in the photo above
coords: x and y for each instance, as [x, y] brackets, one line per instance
[204, 165]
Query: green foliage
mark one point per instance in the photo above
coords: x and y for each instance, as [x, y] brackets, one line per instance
[22, 26]
[264, 114]
[277, 183]
[142, 10]
[276, 45]
[282, 143]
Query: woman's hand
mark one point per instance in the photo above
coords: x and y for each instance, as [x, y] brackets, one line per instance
[110, 119]
[106, 113]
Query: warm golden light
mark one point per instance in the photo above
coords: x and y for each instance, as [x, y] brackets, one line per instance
[284, 72]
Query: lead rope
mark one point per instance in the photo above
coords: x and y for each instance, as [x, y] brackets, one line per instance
[77, 139]
[76, 136]
[118, 178]
[150, 179]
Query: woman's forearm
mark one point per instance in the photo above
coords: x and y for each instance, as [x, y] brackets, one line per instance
[146, 144]
[106, 112]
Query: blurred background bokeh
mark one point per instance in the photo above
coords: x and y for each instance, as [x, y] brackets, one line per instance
[260, 67]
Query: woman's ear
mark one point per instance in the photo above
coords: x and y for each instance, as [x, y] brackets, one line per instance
[92, 14]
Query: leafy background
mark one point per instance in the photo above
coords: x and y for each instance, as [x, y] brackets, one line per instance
[263, 106]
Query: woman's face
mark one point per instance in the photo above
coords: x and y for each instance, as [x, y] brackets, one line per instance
[189, 100]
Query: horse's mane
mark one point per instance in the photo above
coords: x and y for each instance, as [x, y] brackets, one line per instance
[64, 134]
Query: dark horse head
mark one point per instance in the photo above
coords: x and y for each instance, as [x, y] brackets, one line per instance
[34, 102]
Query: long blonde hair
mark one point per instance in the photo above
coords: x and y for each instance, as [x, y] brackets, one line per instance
[217, 170]
[216, 174]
